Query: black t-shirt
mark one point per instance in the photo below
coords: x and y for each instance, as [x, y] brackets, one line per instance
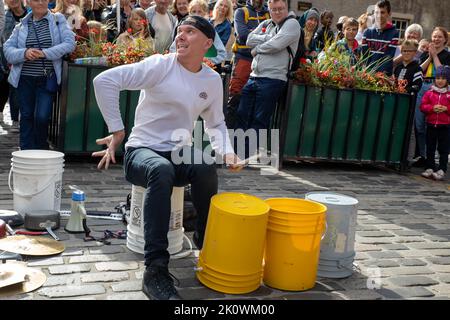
[412, 73]
[444, 58]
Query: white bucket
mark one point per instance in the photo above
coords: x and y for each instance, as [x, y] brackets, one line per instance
[135, 234]
[337, 250]
[37, 180]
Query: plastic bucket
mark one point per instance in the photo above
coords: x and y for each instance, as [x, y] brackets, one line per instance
[337, 248]
[233, 248]
[136, 242]
[40, 157]
[213, 284]
[292, 252]
[135, 228]
[229, 277]
[35, 179]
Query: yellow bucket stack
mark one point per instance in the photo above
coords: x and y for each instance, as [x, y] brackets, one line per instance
[233, 248]
[295, 229]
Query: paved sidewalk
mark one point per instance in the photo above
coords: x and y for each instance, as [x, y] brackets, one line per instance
[402, 240]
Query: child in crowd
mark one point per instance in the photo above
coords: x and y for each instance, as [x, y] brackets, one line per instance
[423, 45]
[137, 28]
[96, 31]
[348, 44]
[325, 36]
[409, 69]
[436, 106]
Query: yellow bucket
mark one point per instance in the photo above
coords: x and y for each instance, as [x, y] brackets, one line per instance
[229, 277]
[227, 289]
[292, 249]
[234, 243]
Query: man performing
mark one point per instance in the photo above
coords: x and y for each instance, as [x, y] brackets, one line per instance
[175, 90]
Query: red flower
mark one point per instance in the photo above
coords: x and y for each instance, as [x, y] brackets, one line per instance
[263, 29]
[130, 31]
[303, 61]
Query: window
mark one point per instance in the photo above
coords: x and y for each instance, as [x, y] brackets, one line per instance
[401, 24]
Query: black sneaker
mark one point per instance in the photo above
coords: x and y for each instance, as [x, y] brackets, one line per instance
[158, 284]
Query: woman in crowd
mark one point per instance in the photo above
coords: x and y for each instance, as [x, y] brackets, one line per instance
[309, 22]
[413, 32]
[180, 9]
[35, 50]
[72, 11]
[221, 19]
[137, 28]
[200, 8]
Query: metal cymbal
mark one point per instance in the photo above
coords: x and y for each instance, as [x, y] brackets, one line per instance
[31, 246]
[10, 274]
[33, 279]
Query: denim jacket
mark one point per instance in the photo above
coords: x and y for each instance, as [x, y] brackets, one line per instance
[63, 40]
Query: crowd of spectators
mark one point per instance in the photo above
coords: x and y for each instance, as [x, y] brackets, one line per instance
[261, 41]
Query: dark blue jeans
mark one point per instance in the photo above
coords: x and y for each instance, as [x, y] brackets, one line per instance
[156, 172]
[13, 104]
[257, 105]
[437, 137]
[35, 104]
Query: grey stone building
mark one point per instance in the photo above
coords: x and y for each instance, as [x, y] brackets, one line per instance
[428, 13]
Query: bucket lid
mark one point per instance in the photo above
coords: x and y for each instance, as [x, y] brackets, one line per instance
[240, 204]
[78, 195]
[37, 154]
[296, 206]
[331, 198]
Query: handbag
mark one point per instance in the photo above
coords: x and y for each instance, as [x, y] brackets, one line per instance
[51, 83]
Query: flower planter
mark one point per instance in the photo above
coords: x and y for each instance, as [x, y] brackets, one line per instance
[320, 123]
[76, 120]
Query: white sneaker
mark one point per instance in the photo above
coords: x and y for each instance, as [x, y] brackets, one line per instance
[438, 175]
[427, 173]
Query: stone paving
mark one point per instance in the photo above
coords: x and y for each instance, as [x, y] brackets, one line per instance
[402, 239]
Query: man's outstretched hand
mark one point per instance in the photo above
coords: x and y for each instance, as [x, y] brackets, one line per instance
[233, 162]
[112, 143]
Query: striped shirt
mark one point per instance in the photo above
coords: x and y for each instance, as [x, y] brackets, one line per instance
[35, 67]
[380, 45]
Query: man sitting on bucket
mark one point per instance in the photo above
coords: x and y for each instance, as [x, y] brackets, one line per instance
[175, 90]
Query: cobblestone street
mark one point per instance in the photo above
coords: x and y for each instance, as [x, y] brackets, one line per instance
[402, 239]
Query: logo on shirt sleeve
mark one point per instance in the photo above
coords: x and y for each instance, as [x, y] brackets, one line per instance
[203, 95]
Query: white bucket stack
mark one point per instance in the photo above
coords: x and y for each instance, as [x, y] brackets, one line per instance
[35, 179]
[337, 250]
[135, 229]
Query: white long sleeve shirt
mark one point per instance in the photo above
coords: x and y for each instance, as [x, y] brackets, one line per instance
[171, 100]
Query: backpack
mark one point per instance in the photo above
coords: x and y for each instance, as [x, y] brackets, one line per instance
[294, 57]
[247, 17]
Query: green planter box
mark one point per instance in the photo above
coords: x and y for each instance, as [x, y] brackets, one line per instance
[77, 121]
[346, 125]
